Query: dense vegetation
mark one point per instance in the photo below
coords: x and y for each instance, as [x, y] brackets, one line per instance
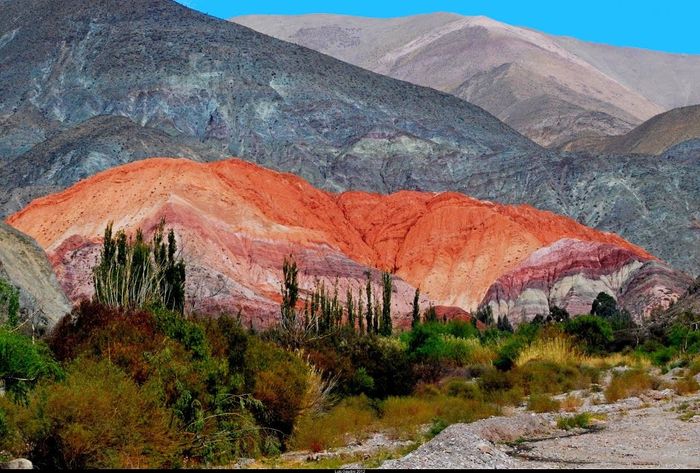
[129, 380]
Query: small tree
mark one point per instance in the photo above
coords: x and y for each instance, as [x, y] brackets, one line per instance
[9, 304]
[557, 314]
[604, 305]
[594, 331]
[385, 325]
[370, 313]
[376, 316]
[415, 320]
[350, 309]
[290, 292]
[132, 273]
[504, 324]
[484, 314]
[360, 313]
[430, 314]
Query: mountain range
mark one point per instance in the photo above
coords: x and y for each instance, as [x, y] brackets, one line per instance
[237, 221]
[87, 86]
[552, 89]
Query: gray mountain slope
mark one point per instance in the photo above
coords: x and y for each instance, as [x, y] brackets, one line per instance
[24, 264]
[654, 136]
[466, 56]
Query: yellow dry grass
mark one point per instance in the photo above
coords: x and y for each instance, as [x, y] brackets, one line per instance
[558, 350]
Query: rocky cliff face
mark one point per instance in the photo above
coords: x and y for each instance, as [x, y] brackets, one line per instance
[236, 221]
[205, 88]
[24, 264]
[571, 273]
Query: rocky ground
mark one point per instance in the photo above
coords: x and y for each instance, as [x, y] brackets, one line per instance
[656, 430]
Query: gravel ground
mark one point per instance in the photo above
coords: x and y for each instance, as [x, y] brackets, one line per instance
[637, 433]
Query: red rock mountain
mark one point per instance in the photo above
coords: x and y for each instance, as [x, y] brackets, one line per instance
[235, 222]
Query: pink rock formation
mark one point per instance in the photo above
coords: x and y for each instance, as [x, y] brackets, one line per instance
[571, 273]
[235, 222]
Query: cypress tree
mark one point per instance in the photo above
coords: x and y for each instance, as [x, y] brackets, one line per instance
[385, 326]
[504, 324]
[290, 291]
[485, 315]
[368, 291]
[360, 313]
[415, 321]
[375, 319]
[430, 314]
[350, 309]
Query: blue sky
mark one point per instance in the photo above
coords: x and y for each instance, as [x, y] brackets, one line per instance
[670, 25]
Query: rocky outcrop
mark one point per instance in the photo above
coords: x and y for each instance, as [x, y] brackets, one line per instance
[571, 273]
[236, 221]
[24, 265]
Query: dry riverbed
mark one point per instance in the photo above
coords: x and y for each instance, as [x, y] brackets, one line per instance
[656, 430]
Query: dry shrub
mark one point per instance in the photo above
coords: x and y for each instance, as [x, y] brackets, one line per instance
[630, 383]
[547, 377]
[571, 403]
[686, 385]
[402, 415]
[633, 360]
[99, 418]
[542, 403]
[351, 418]
[454, 409]
[121, 335]
[694, 366]
[557, 349]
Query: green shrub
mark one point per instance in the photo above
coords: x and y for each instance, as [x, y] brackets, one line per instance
[437, 426]
[9, 304]
[463, 389]
[98, 418]
[662, 356]
[279, 379]
[595, 333]
[494, 380]
[581, 421]
[24, 362]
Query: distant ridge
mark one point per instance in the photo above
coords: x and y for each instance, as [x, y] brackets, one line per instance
[552, 89]
[654, 136]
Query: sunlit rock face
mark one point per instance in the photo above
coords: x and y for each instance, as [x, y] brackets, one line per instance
[23, 264]
[570, 273]
[236, 222]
